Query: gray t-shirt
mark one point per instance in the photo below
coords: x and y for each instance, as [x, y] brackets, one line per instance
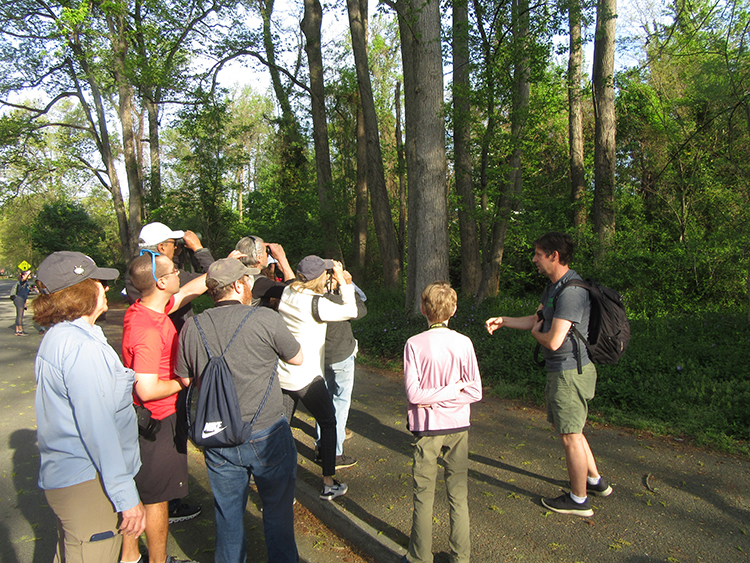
[572, 305]
[252, 357]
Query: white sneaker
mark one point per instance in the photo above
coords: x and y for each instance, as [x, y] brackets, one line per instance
[335, 490]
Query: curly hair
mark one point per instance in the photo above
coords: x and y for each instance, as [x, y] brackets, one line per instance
[438, 301]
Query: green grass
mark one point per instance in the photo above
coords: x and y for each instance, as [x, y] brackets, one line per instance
[685, 375]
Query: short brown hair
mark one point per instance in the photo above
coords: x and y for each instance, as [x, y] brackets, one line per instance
[142, 274]
[67, 304]
[438, 301]
[562, 243]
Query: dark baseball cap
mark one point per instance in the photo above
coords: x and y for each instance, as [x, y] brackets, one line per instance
[229, 270]
[311, 267]
[64, 269]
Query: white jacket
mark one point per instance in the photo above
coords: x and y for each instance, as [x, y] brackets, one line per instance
[295, 308]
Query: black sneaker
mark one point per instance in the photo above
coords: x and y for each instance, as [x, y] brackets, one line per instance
[335, 490]
[601, 489]
[566, 505]
[343, 461]
[182, 512]
[171, 559]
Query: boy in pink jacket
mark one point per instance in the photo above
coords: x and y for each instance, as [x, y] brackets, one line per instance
[442, 380]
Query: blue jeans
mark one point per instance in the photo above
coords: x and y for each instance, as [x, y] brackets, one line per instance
[271, 457]
[340, 382]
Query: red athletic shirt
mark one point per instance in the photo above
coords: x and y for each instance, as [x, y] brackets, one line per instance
[149, 344]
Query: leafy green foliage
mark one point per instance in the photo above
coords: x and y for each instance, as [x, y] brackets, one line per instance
[66, 225]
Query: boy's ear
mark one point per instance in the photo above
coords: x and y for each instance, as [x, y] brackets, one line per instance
[455, 308]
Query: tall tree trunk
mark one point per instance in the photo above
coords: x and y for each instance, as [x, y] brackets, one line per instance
[575, 117]
[511, 197]
[419, 25]
[604, 113]
[119, 42]
[310, 24]
[362, 207]
[98, 121]
[471, 271]
[381, 207]
[155, 195]
[402, 203]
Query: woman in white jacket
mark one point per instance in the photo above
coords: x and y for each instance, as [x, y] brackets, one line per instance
[306, 315]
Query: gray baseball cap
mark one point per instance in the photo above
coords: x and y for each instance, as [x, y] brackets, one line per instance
[229, 270]
[311, 267]
[64, 269]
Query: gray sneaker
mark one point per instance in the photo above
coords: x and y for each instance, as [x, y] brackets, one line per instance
[601, 489]
[343, 461]
[566, 505]
[335, 490]
[171, 559]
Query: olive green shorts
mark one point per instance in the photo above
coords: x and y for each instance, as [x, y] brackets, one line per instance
[568, 394]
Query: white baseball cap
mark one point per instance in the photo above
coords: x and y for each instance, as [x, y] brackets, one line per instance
[154, 233]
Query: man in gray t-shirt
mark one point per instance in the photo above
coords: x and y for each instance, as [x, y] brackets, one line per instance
[567, 392]
[269, 454]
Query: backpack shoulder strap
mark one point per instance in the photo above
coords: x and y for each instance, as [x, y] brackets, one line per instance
[316, 308]
[575, 282]
[236, 332]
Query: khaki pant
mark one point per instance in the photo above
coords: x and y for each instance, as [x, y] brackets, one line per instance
[455, 451]
[84, 513]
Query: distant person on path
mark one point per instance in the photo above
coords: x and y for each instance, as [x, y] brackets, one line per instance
[20, 294]
[269, 453]
[442, 380]
[567, 392]
[86, 425]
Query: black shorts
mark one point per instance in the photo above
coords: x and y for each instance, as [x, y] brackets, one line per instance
[164, 468]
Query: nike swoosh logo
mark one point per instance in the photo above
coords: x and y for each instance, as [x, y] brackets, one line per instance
[205, 434]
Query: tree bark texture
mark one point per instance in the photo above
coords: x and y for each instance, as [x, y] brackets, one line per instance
[119, 42]
[604, 113]
[401, 164]
[362, 206]
[471, 269]
[419, 24]
[513, 191]
[100, 132]
[381, 207]
[310, 24]
[575, 117]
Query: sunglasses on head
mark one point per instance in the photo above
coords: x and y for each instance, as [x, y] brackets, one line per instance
[153, 261]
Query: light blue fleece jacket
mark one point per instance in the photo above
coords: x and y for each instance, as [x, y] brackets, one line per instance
[86, 424]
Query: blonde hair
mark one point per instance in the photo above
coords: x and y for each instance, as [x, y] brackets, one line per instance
[438, 301]
[318, 285]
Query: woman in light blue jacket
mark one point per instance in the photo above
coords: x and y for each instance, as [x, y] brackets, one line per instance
[87, 429]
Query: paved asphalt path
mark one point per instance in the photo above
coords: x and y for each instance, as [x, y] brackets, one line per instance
[672, 502]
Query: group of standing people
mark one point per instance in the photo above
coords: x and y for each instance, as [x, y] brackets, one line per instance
[109, 474]
[164, 349]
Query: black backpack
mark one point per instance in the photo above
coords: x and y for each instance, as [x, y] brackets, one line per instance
[215, 420]
[609, 329]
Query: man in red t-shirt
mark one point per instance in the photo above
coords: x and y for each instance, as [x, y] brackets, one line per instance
[149, 341]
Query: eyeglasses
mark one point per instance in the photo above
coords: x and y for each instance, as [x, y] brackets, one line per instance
[153, 261]
[175, 271]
